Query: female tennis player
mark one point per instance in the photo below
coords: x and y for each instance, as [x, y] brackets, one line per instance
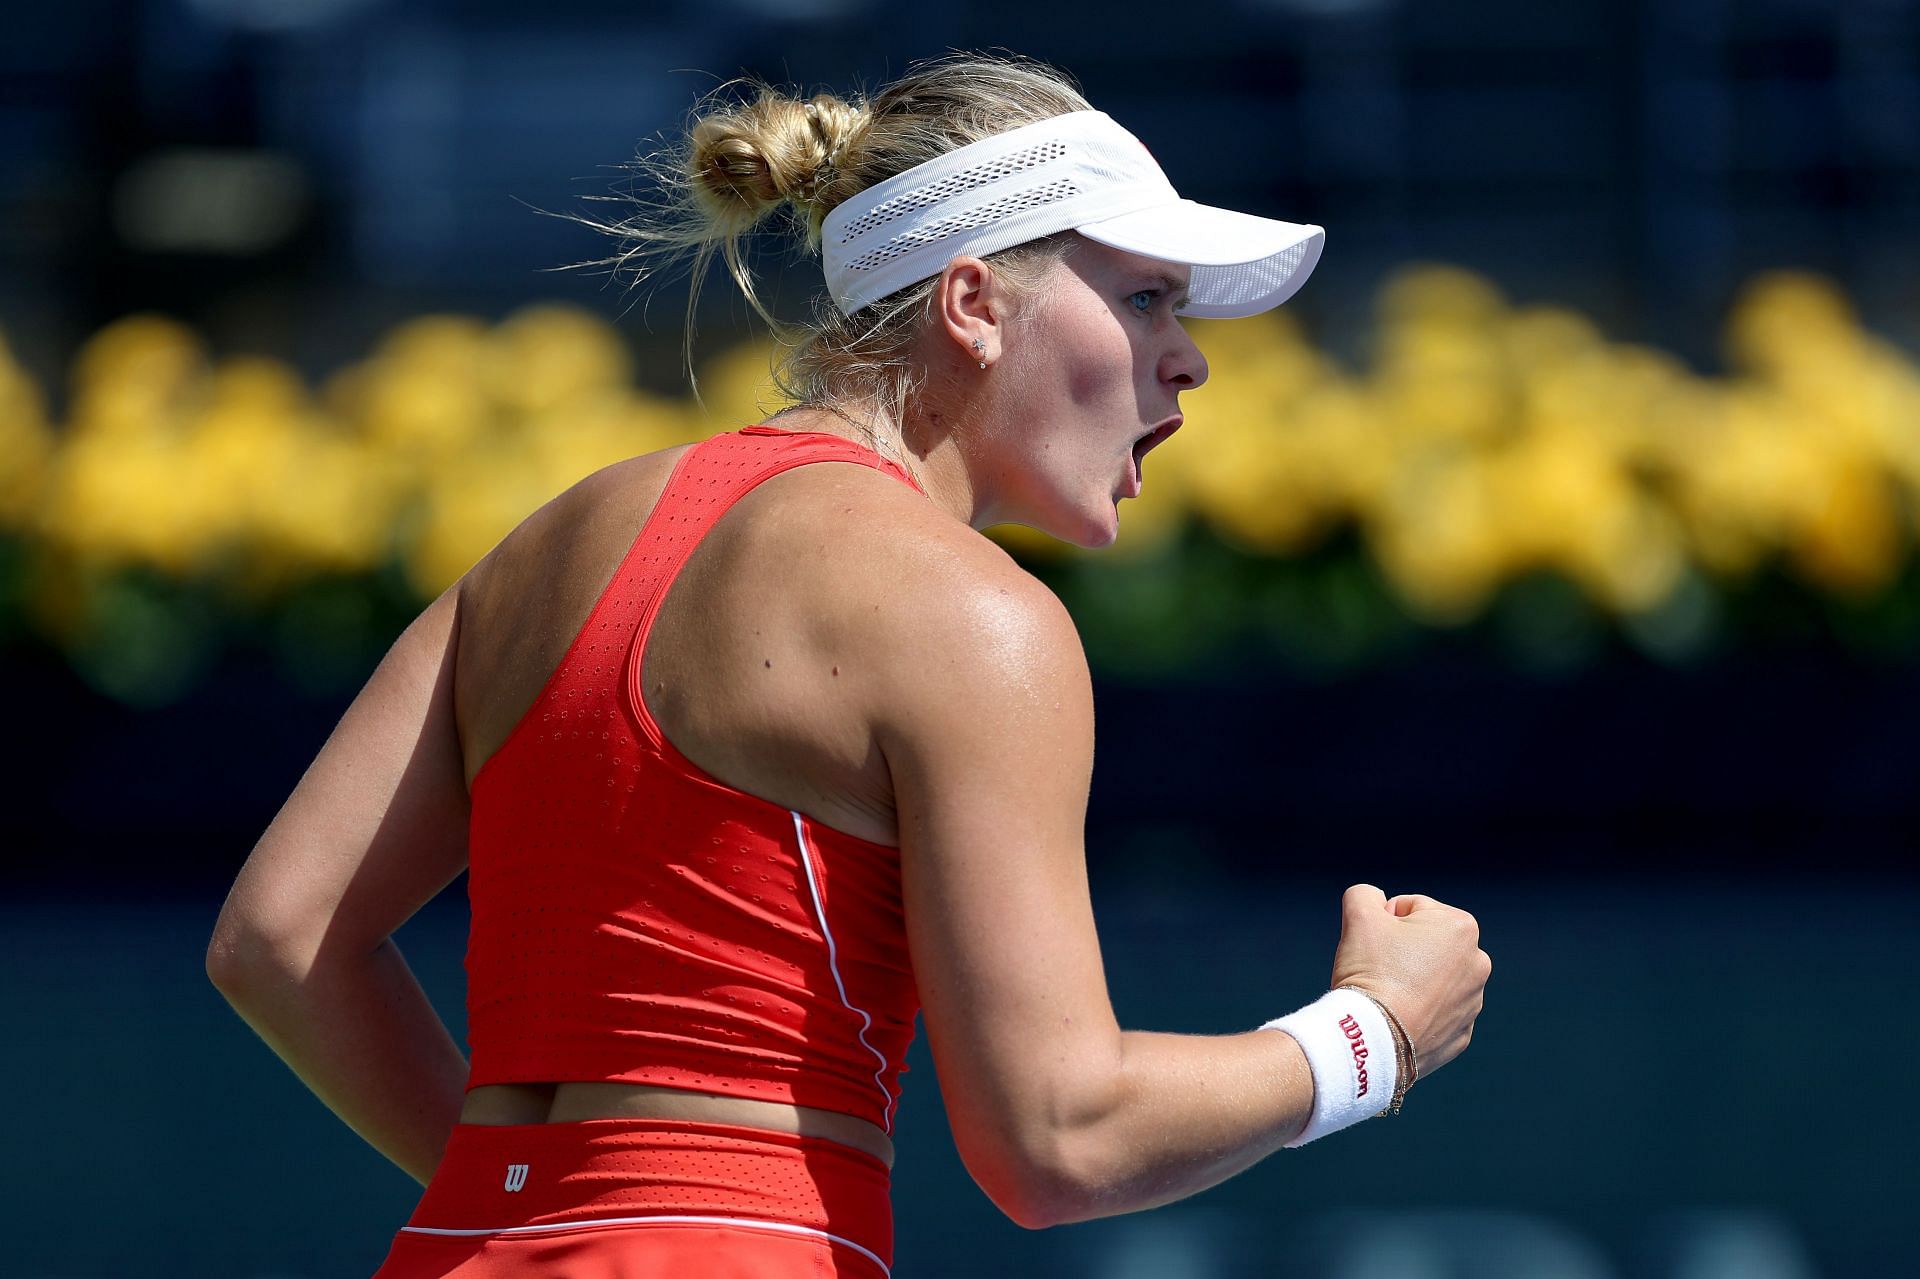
[756, 748]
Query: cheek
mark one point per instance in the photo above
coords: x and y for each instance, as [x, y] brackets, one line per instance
[1084, 383]
[1098, 366]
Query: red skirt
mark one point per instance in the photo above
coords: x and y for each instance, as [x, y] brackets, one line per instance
[646, 1199]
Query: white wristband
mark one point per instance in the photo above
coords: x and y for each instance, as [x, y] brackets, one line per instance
[1349, 1048]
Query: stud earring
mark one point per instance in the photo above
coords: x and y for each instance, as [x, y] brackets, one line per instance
[978, 347]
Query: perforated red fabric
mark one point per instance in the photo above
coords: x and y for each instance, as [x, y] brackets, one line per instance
[645, 1198]
[637, 920]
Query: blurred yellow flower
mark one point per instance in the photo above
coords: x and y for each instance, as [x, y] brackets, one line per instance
[1029, 543]
[1444, 381]
[737, 389]
[333, 507]
[1562, 502]
[1431, 293]
[1437, 537]
[1780, 314]
[139, 375]
[1269, 454]
[467, 504]
[1850, 541]
[145, 348]
[423, 396]
[543, 356]
[1541, 337]
[123, 501]
[1479, 442]
[578, 436]
[26, 444]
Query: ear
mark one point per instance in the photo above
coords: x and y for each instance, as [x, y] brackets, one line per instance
[973, 306]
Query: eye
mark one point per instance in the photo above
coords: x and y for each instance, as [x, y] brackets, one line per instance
[1133, 300]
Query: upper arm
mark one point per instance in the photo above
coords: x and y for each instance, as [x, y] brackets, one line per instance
[377, 825]
[991, 753]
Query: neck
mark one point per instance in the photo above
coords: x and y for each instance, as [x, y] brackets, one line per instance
[928, 450]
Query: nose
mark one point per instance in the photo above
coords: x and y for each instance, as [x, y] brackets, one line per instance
[1183, 367]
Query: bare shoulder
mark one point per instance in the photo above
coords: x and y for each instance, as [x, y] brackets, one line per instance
[570, 535]
[526, 599]
[946, 601]
[959, 642]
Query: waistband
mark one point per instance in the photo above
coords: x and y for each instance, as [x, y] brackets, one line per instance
[527, 1178]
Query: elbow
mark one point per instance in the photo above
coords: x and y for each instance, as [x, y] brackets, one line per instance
[219, 968]
[232, 965]
[1041, 1208]
[1049, 1142]
[1049, 1182]
[1031, 1207]
[243, 957]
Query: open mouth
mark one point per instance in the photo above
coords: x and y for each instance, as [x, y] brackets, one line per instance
[1145, 444]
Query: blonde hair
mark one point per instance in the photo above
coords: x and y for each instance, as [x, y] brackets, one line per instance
[744, 161]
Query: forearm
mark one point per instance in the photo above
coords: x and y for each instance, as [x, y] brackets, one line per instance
[1180, 1113]
[360, 1033]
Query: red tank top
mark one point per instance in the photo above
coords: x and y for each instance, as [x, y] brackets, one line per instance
[637, 920]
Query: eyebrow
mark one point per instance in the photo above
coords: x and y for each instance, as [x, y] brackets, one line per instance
[1175, 288]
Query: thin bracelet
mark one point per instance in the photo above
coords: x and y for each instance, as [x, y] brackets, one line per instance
[1404, 1061]
[1413, 1061]
[1407, 1063]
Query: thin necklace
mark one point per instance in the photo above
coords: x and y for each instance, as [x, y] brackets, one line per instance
[885, 450]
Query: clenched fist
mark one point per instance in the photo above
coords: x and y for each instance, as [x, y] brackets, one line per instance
[1422, 959]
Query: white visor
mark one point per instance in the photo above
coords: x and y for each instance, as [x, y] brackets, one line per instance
[1077, 172]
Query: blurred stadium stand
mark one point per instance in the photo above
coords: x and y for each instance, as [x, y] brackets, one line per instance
[1635, 160]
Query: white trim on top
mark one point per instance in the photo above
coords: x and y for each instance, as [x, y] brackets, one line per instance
[833, 965]
[663, 1220]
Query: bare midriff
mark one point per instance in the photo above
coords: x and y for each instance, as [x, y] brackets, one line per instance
[561, 1103]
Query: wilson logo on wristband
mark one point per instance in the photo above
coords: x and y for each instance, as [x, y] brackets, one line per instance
[1358, 1039]
[1334, 1033]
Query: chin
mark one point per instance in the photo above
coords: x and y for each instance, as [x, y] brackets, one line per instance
[1094, 530]
[1107, 537]
[1091, 527]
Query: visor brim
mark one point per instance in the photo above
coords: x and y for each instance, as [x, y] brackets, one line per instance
[1242, 264]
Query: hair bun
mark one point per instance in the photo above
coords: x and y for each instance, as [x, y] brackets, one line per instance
[745, 160]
